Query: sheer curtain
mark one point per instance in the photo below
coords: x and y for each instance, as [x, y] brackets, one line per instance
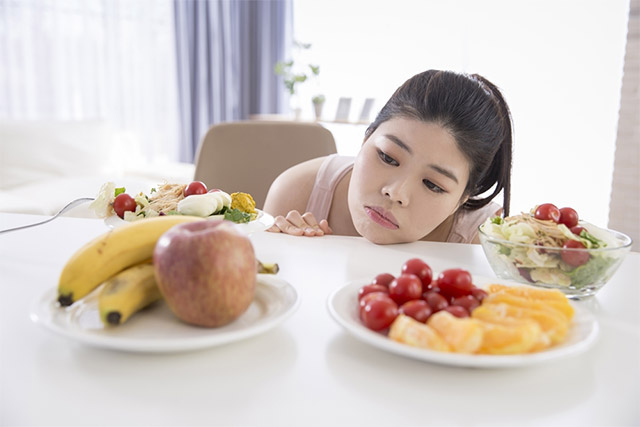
[226, 53]
[86, 59]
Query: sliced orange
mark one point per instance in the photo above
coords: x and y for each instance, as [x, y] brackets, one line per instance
[464, 335]
[551, 305]
[409, 331]
[511, 336]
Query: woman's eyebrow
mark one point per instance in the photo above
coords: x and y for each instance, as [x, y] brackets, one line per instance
[398, 142]
[439, 169]
[445, 172]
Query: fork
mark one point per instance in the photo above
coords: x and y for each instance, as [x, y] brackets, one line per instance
[69, 205]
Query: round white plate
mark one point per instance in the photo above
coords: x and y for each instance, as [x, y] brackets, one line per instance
[157, 330]
[262, 222]
[342, 305]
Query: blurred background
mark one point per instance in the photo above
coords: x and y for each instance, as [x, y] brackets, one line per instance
[161, 72]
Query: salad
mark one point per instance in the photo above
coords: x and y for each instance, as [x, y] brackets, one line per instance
[526, 245]
[174, 199]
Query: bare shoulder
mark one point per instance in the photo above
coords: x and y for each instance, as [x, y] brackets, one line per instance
[292, 188]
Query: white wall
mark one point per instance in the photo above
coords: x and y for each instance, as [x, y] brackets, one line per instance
[558, 62]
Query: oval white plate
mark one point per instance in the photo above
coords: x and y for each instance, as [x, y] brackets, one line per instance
[157, 330]
[261, 223]
[342, 304]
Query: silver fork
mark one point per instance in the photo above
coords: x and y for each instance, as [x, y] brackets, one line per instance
[69, 205]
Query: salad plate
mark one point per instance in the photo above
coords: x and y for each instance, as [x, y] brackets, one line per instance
[262, 222]
[156, 329]
[342, 305]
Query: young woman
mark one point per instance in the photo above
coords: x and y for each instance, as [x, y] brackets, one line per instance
[432, 161]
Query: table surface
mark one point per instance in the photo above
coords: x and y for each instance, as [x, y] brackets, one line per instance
[308, 370]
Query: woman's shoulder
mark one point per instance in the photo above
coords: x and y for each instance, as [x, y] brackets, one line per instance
[291, 189]
[466, 223]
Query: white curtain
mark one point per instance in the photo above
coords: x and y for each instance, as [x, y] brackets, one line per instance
[107, 59]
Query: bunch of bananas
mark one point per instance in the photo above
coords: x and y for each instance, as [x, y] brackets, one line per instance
[120, 259]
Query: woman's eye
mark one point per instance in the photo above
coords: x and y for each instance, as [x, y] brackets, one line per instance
[433, 187]
[386, 159]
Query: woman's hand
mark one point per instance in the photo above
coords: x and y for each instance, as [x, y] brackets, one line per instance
[300, 225]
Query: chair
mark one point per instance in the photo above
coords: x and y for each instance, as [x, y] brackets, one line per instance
[247, 156]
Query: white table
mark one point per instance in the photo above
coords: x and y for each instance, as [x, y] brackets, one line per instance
[308, 370]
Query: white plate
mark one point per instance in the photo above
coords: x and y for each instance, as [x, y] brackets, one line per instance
[262, 222]
[157, 330]
[342, 304]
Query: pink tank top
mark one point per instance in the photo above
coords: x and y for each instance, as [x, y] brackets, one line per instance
[335, 167]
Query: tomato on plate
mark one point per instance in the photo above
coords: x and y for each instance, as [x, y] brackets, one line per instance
[547, 211]
[195, 187]
[419, 268]
[455, 282]
[124, 203]
[405, 288]
[418, 309]
[378, 313]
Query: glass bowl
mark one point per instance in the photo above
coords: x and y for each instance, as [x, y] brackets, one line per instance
[544, 266]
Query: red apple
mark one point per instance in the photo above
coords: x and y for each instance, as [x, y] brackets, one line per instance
[206, 271]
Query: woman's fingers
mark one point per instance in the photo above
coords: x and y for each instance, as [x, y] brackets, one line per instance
[299, 225]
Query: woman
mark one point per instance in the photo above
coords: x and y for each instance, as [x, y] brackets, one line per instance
[432, 161]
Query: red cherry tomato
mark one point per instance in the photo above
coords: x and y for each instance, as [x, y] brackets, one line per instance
[378, 314]
[479, 294]
[436, 301]
[124, 203]
[547, 211]
[455, 282]
[568, 217]
[457, 311]
[195, 187]
[577, 229]
[574, 257]
[417, 309]
[468, 302]
[383, 279]
[405, 288]
[372, 287]
[370, 297]
[419, 268]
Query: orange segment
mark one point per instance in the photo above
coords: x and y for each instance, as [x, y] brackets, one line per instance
[409, 331]
[464, 335]
[511, 336]
[549, 305]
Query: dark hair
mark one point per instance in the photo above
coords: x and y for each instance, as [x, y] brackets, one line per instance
[473, 110]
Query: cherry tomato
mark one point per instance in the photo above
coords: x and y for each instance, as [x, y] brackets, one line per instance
[418, 309]
[574, 257]
[468, 302]
[383, 279]
[124, 203]
[455, 282]
[436, 301]
[405, 288]
[195, 187]
[577, 229]
[372, 287]
[547, 211]
[419, 268]
[479, 294]
[457, 311]
[378, 314]
[568, 217]
[370, 297]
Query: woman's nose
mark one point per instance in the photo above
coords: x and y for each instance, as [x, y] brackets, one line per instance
[398, 192]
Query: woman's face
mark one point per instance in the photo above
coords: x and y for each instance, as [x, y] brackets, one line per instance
[407, 179]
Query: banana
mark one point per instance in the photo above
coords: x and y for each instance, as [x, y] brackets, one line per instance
[112, 252]
[126, 293]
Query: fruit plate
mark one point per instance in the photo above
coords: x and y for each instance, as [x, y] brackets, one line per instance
[262, 222]
[342, 305]
[157, 330]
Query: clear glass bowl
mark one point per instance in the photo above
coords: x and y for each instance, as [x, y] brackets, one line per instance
[526, 263]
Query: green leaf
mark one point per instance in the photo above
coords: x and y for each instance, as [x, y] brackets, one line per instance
[497, 220]
[237, 216]
[119, 190]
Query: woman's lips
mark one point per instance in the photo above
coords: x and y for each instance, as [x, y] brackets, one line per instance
[381, 217]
